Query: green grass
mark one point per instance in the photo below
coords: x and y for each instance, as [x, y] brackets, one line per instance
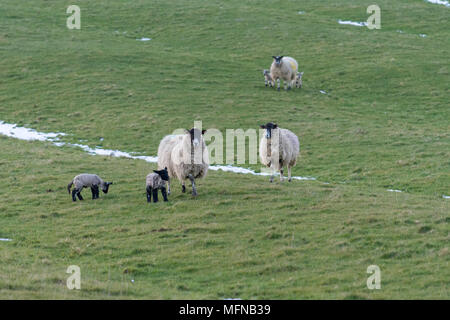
[384, 124]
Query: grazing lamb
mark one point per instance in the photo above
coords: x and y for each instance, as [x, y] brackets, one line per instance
[155, 181]
[285, 68]
[278, 148]
[185, 156]
[268, 78]
[298, 80]
[86, 180]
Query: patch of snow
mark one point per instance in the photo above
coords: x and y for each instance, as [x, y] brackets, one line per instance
[353, 23]
[144, 39]
[443, 2]
[5, 239]
[422, 35]
[11, 130]
[445, 197]
[22, 133]
[394, 190]
[301, 12]
[323, 91]
[230, 168]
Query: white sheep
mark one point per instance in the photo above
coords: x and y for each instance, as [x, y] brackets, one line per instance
[268, 78]
[298, 80]
[285, 68]
[86, 180]
[278, 148]
[156, 181]
[185, 156]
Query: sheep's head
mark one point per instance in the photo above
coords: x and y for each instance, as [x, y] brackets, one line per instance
[163, 174]
[106, 187]
[277, 60]
[196, 136]
[269, 127]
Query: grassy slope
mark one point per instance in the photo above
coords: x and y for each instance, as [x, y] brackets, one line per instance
[383, 125]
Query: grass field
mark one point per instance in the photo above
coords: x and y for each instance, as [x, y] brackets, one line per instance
[383, 124]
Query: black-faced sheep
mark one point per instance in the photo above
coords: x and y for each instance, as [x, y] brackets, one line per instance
[278, 148]
[157, 181]
[185, 156]
[87, 180]
[284, 68]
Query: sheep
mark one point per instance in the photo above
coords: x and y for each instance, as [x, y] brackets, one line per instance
[285, 68]
[86, 180]
[268, 78]
[278, 148]
[298, 80]
[185, 156]
[155, 181]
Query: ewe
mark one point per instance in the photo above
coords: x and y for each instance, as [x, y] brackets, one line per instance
[278, 148]
[86, 180]
[285, 68]
[185, 156]
[157, 181]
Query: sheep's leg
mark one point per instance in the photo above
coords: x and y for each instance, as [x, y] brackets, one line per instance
[273, 174]
[194, 189]
[155, 195]
[164, 193]
[289, 174]
[281, 175]
[183, 187]
[278, 84]
[79, 194]
[95, 192]
[149, 194]
[74, 193]
[168, 186]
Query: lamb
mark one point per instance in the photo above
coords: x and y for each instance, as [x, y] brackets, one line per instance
[285, 68]
[87, 180]
[157, 181]
[298, 80]
[278, 148]
[185, 156]
[268, 78]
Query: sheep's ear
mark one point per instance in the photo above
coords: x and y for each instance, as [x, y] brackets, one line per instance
[281, 57]
[274, 57]
[263, 126]
[203, 131]
[275, 126]
[156, 171]
[110, 183]
[165, 168]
